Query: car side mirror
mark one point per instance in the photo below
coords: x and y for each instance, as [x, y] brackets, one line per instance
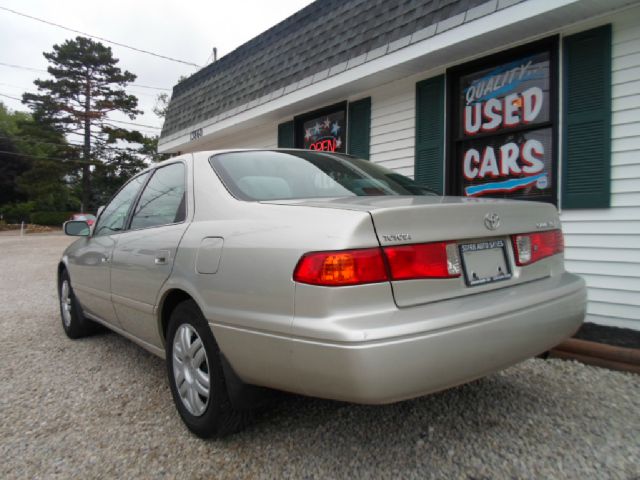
[76, 228]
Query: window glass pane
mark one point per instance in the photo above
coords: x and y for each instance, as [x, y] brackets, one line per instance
[115, 214]
[506, 96]
[268, 175]
[324, 132]
[507, 165]
[503, 129]
[162, 201]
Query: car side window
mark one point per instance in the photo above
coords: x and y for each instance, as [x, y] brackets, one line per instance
[163, 200]
[114, 216]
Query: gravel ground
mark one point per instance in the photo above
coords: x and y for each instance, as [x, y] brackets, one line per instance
[101, 407]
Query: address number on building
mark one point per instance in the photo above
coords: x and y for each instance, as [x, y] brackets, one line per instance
[196, 134]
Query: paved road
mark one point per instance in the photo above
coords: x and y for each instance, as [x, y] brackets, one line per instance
[101, 407]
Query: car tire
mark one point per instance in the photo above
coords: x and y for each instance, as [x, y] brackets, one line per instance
[193, 363]
[74, 323]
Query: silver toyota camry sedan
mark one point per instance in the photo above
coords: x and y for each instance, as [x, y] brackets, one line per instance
[315, 273]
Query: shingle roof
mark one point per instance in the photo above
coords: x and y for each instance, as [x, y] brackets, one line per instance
[309, 45]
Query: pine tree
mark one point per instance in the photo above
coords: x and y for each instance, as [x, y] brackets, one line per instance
[86, 87]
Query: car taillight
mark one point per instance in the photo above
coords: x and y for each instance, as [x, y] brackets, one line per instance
[425, 260]
[355, 267]
[531, 247]
[345, 267]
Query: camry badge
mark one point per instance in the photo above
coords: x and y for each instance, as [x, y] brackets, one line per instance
[492, 220]
[396, 237]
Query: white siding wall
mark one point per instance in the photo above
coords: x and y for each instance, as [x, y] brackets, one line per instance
[262, 136]
[604, 245]
[393, 125]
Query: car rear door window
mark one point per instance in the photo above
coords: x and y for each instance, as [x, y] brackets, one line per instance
[292, 174]
[114, 216]
[163, 200]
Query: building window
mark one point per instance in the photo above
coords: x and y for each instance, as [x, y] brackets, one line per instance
[503, 123]
[323, 130]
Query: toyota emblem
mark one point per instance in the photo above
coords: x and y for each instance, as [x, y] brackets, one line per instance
[492, 220]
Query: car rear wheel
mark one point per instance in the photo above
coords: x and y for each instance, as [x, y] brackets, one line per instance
[196, 375]
[74, 323]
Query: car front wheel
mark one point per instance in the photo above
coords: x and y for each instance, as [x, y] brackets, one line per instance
[196, 376]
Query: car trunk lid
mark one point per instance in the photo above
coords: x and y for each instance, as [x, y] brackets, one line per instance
[480, 228]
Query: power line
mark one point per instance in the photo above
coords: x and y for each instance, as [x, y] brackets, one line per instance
[33, 69]
[9, 96]
[134, 90]
[21, 67]
[152, 88]
[37, 141]
[65, 160]
[136, 124]
[108, 119]
[99, 38]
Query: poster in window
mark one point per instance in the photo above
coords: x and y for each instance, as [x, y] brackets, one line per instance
[325, 132]
[504, 140]
[514, 164]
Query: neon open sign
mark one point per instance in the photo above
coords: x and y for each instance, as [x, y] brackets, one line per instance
[324, 145]
[324, 132]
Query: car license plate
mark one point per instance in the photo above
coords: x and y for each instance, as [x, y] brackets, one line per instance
[485, 262]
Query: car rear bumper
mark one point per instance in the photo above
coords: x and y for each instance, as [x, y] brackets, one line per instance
[419, 350]
[399, 368]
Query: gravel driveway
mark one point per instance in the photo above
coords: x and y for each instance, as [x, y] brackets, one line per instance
[101, 407]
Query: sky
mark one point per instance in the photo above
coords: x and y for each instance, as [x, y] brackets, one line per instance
[185, 30]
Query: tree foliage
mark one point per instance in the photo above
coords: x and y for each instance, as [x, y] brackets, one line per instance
[12, 165]
[68, 154]
[116, 168]
[34, 163]
[162, 104]
[86, 87]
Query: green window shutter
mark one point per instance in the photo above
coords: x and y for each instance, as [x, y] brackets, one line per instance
[429, 160]
[285, 135]
[586, 172]
[359, 130]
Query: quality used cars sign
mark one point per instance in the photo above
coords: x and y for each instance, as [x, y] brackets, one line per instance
[504, 135]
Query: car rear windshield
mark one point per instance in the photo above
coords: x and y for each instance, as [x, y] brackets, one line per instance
[296, 174]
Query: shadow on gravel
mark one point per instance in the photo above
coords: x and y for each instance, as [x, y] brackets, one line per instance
[477, 407]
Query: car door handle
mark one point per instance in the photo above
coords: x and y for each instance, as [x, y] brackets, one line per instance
[162, 257]
[105, 259]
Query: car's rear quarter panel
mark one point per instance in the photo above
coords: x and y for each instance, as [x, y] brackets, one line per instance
[249, 301]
